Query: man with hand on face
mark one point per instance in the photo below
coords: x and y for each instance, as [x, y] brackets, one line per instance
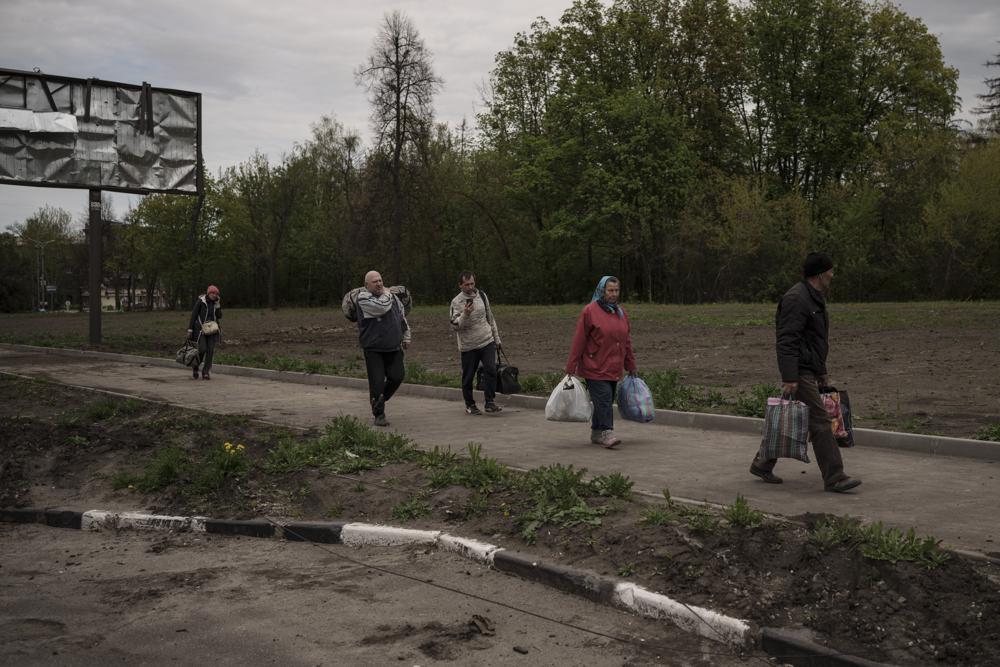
[383, 333]
[478, 341]
[802, 329]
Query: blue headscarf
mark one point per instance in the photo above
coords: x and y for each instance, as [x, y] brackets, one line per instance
[599, 296]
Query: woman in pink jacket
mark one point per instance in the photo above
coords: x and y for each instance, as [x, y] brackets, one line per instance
[602, 346]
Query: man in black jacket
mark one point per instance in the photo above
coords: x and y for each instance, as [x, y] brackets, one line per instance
[802, 341]
[383, 333]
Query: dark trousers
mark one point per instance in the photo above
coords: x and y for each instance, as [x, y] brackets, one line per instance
[487, 356]
[385, 374]
[602, 394]
[206, 351]
[825, 447]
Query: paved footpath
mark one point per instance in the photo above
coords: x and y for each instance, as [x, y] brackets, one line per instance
[952, 498]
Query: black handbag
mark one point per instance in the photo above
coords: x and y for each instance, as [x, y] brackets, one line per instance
[506, 376]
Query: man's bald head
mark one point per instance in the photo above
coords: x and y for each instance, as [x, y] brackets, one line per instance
[373, 282]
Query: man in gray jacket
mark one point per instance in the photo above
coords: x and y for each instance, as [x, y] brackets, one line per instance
[802, 329]
[478, 341]
[383, 333]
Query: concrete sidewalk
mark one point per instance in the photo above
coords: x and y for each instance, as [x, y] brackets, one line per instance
[954, 499]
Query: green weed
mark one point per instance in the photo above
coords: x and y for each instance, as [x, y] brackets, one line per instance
[482, 473]
[741, 514]
[615, 485]
[626, 570]
[657, 516]
[475, 506]
[880, 543]
[167, 467]
[699, 520]
[438, 458]
[223, 463]
[410, 509]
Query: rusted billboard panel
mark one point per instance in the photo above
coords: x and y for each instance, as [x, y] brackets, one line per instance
[88, 133]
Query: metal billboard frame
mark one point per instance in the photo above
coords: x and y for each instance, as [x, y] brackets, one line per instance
[144, 124]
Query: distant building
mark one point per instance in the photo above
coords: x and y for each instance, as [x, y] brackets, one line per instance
[142, 299]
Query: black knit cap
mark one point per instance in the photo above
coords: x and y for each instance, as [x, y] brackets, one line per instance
[816, 263]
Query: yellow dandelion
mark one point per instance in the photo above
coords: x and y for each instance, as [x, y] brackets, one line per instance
[240, 447]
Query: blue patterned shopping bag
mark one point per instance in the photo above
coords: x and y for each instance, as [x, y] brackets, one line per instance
[786, 429]
[635, 400]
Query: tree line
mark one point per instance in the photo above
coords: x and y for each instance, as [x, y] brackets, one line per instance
[698, 149]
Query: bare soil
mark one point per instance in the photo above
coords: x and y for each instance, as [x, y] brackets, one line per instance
[59, 450]
[918, 367]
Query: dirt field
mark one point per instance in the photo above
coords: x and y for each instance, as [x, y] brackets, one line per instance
[918, 367]
[70, 447]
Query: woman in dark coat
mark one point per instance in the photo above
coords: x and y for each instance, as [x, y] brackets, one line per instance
[207, 308]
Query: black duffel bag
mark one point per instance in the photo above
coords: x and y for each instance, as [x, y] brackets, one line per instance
[506, 376]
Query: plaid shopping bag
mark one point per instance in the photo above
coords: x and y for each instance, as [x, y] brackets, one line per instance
[786, 429]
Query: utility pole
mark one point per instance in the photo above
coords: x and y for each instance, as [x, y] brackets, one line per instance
[95, 266]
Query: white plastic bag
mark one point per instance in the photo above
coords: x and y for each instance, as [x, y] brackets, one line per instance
[569, 402]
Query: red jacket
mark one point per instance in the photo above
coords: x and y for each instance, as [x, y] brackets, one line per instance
[602, 345]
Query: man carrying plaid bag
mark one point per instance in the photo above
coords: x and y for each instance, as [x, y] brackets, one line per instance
[802, 329]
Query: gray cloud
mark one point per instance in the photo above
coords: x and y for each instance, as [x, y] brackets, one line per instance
[267, 71]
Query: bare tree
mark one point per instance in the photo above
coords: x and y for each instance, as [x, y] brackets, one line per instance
[990, 108]
[401, 86]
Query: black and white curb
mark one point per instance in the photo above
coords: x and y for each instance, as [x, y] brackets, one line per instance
[598, 588]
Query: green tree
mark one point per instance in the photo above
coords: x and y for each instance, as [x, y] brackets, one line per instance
[963, 229]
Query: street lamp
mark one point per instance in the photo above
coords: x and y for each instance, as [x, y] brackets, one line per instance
[40, 265]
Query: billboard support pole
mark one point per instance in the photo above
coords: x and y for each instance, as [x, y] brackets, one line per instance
[95, 267]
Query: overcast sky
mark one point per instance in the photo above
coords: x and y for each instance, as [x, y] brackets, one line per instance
[268, 70]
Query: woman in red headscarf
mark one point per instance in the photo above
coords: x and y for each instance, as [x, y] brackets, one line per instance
[204, 329]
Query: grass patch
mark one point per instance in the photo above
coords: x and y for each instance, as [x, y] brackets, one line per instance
[347, 446]
[658, 516]
[167, 467]
[989, 432]
[753, 402]
[877, 542]
[408, 510]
